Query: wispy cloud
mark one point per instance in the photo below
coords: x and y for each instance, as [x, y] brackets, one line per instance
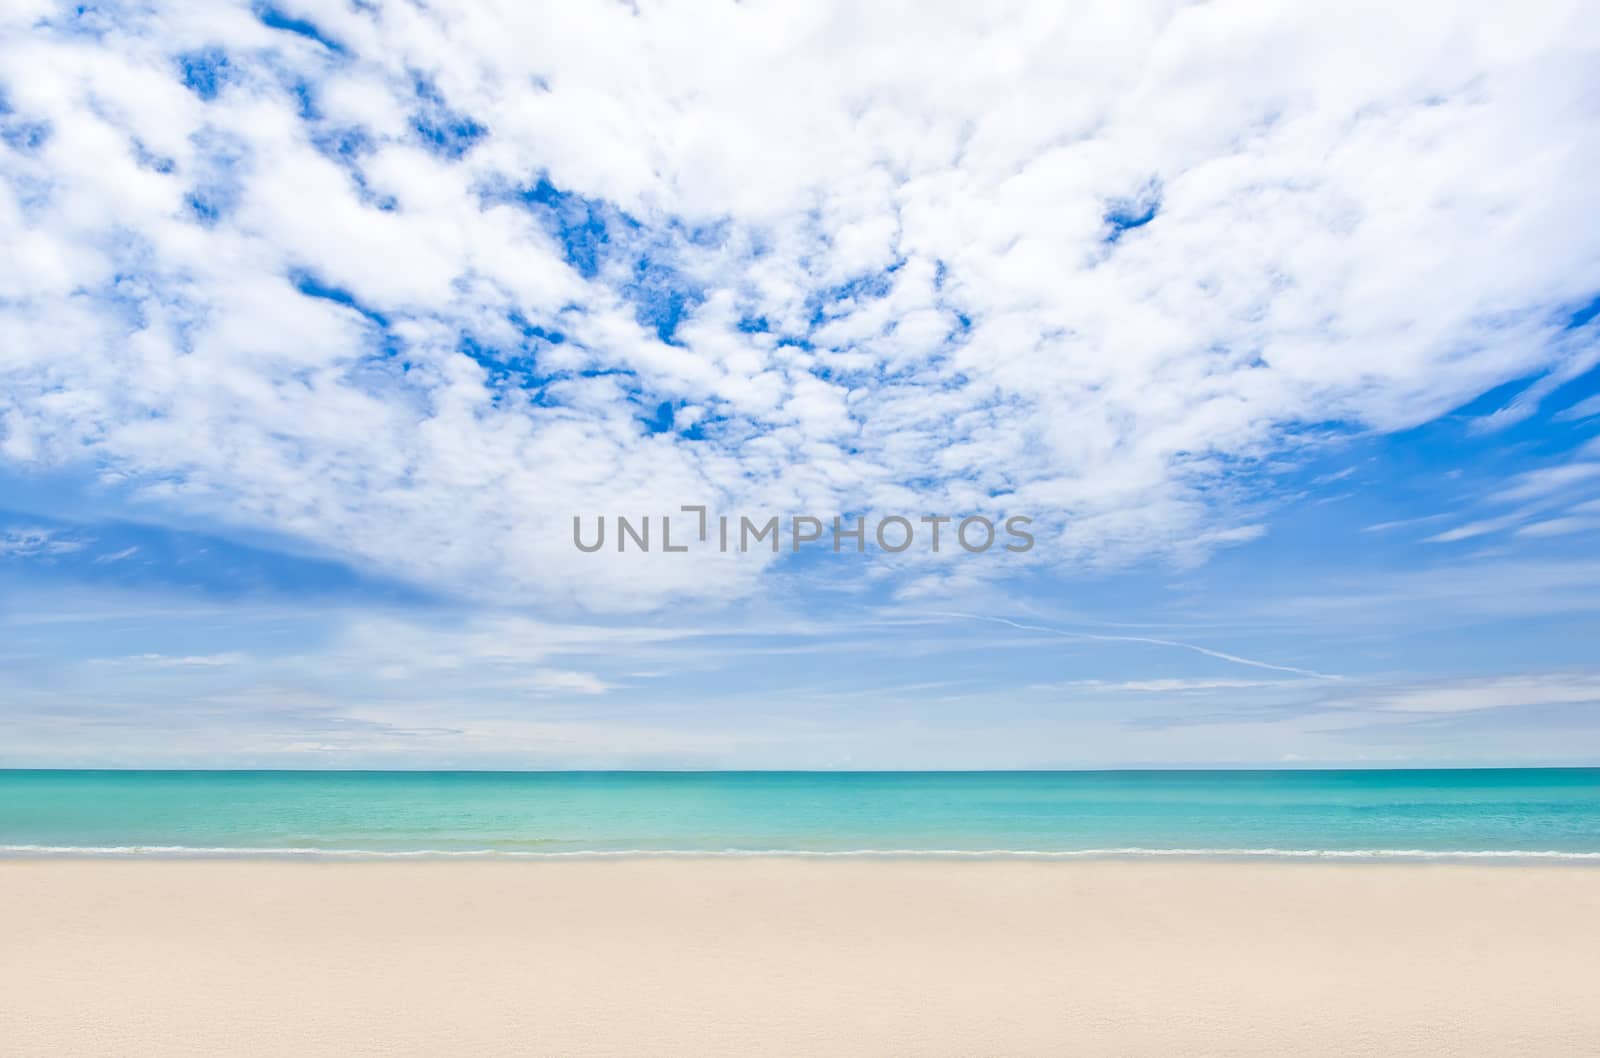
[1149, 640]
[117, 556]
[1485, 693]
[1583, 409]
[1536, 484]
[36, 543]
[1538, 492]
[1482, 527]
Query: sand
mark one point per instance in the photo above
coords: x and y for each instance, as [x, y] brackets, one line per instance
[787, 957]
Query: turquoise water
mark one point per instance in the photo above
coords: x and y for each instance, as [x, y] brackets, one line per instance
[1547, 813]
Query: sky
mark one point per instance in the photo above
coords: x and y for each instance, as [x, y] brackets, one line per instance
[321, 323]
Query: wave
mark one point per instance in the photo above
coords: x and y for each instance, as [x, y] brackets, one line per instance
[229, 852]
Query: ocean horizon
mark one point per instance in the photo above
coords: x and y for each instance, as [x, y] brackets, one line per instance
[1545, 814]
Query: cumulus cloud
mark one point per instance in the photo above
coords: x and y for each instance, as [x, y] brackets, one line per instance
[421, 283]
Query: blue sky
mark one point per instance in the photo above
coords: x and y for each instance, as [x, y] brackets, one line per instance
[319, 324]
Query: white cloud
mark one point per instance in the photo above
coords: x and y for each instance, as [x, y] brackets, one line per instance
[116, 556]
[1482, 527]
[164, 661]
[320, 687]
[1538, 492]
[1581, 410]
[1488, 693]
[1536, 484]
[1362, 215]
[1185, 685]
[36, 543]
[1560, 526]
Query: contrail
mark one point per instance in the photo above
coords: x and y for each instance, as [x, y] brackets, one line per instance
[1207, 651]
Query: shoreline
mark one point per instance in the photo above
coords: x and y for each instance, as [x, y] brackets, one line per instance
[752, 955]
[189, 854]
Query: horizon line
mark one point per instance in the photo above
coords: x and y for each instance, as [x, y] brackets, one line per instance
[814, 771]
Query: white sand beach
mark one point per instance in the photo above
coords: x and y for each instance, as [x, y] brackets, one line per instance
[786, 957]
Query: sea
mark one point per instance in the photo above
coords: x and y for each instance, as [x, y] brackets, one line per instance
[1514, 814]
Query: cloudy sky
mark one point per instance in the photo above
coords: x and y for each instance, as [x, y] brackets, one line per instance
[320, 322]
